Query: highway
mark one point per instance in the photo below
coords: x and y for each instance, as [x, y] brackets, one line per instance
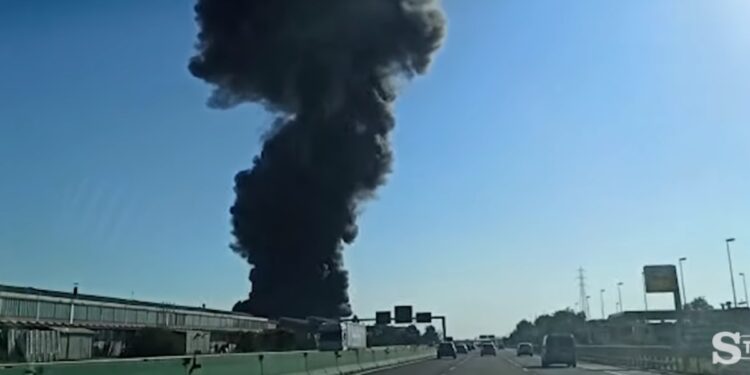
[506, 363]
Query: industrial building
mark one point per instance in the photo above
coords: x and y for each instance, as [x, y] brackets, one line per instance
[43, 325]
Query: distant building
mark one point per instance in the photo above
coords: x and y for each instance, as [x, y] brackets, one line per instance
[43, 325]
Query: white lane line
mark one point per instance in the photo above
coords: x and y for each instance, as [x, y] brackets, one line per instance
[514, 363]
[614, 372]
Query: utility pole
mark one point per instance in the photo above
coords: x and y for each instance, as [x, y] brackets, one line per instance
[619, 296]
[582, 292]
[744, 284]
[682, 279]
[601, 300]
[645, 293]
[731, 271]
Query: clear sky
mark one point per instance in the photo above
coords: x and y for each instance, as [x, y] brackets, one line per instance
[548, 135]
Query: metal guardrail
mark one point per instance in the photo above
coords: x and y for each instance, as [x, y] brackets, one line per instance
[655, 357]
[658, 358]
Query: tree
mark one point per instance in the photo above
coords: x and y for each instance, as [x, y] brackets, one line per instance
[411, 335]
[390, 335]
[699, 304]
[563, 321]
[430, 336]
[525, 331]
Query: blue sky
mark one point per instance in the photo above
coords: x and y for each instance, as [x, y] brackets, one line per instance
[547, 136]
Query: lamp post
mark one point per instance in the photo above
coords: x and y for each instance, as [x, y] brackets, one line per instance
[601, 300]
[731, 271]
[619, 296]
[645, 292]
[744, 285]
[682, 281]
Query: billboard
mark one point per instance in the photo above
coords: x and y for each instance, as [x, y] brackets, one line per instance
[660, 279]
[403, 314]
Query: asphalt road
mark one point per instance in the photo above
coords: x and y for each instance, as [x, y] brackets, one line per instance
[506, 363]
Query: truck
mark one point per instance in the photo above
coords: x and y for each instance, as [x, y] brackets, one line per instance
[340, 336]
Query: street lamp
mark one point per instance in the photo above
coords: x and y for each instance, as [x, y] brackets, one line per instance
[744, 284]
[731, 271]
[645, 292]
[682, 281]
[619, 296]
[601, 300]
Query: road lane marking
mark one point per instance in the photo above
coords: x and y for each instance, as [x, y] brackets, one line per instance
[513, 363]
[454, 367]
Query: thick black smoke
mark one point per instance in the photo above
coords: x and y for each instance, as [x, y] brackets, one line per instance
[328, 69]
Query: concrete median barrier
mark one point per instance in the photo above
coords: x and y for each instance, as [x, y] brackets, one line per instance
[277, 363]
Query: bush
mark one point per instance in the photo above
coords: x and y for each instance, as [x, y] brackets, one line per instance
[275, 340]
[154, 342]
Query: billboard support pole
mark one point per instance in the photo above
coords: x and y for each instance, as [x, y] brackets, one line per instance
[442, 321]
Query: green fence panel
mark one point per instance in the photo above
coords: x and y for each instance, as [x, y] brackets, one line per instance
[321, 363]
[283, 363]
[348, 361]
[172, 366]
[12, 370]
[228, 364]
[367, 359]
[383, 357]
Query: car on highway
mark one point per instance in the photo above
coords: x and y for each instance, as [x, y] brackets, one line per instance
[525, 348]
[487, 349]
[446, 349]
[559, 349]
[461, 349]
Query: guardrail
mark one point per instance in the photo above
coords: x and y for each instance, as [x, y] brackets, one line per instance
[632, 356]
[269, 363]
[660, 358]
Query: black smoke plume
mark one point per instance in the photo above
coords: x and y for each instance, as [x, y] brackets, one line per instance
[328, 69]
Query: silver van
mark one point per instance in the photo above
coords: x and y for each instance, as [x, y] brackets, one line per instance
[559, 349]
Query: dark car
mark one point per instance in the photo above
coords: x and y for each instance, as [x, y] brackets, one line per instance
[488, 349]
[461, 349]
[559, 348]
[446, 349]
[525, 348]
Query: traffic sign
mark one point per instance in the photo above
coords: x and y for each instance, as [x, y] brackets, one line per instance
[403, 314]
[424, 317]
[383, 317]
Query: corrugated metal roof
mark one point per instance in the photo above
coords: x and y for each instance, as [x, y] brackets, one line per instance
[89, 297]
[73, 330]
